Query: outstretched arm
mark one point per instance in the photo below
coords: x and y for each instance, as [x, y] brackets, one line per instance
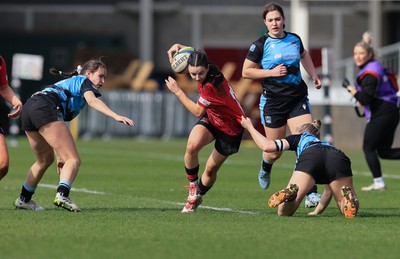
[193, 107]
[100, 106]
[262, 142]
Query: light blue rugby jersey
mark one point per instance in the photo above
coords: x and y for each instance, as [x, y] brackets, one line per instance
[71, 91]
[269, 52]
[301, 142]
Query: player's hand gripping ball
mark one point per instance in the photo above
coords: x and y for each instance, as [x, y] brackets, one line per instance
[180, 59]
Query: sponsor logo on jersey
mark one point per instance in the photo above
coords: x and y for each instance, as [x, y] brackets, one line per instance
[204, 101]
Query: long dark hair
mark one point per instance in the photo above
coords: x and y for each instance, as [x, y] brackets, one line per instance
[199, 58]
[91, 65]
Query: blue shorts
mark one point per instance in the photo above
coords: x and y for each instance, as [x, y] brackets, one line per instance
[274, 113]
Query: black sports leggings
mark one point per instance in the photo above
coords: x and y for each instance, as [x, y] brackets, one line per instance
[378, 139]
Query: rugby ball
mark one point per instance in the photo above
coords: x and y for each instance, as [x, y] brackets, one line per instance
[180, 59]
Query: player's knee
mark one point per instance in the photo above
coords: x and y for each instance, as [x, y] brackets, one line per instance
[74, 162]
[273, 156]
[192, 148]
[367, 147]
[283, 214]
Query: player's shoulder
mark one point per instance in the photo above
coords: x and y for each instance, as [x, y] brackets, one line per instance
[291, 35]
[79, 79]
[261, 40]
[257, 45]
[72, 82]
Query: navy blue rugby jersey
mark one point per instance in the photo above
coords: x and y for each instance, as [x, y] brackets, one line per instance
[268, 53]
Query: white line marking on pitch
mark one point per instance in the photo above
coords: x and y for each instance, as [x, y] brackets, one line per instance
[221, 209]
[364, 173]
[72, 189]
[175, 203]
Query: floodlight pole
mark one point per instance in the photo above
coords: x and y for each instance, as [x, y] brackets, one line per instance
[326, 83]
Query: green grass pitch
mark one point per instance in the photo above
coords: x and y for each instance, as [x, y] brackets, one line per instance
[131, 193]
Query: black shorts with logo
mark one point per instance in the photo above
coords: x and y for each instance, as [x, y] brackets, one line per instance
[274, 113]
[324, 163]
[40, 110]
[225, 144]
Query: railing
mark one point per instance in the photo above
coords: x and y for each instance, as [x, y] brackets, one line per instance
[157, 114]
[388, 55]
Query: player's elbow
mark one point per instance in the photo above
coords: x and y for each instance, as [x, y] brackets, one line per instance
[245, 74]
[198, 114]
[91, 102]
[198, 111]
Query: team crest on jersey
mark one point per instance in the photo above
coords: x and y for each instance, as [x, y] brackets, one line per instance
[204, 101]
[293, 43]
[252, 47]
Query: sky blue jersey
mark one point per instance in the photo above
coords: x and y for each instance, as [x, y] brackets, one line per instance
[71, 92]
[300, 142]
[270, 52]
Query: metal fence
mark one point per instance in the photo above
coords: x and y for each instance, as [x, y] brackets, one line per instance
[389, 56]
[157, 114]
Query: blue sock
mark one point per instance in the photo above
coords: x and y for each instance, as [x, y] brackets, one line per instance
[29, 188]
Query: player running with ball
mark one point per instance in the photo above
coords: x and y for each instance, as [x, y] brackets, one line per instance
[219, 114]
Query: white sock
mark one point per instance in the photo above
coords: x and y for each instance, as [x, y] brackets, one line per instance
[379, 182]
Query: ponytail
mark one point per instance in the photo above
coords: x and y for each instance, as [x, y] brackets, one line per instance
[92, 65]
[366, 43]
[76, 72]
